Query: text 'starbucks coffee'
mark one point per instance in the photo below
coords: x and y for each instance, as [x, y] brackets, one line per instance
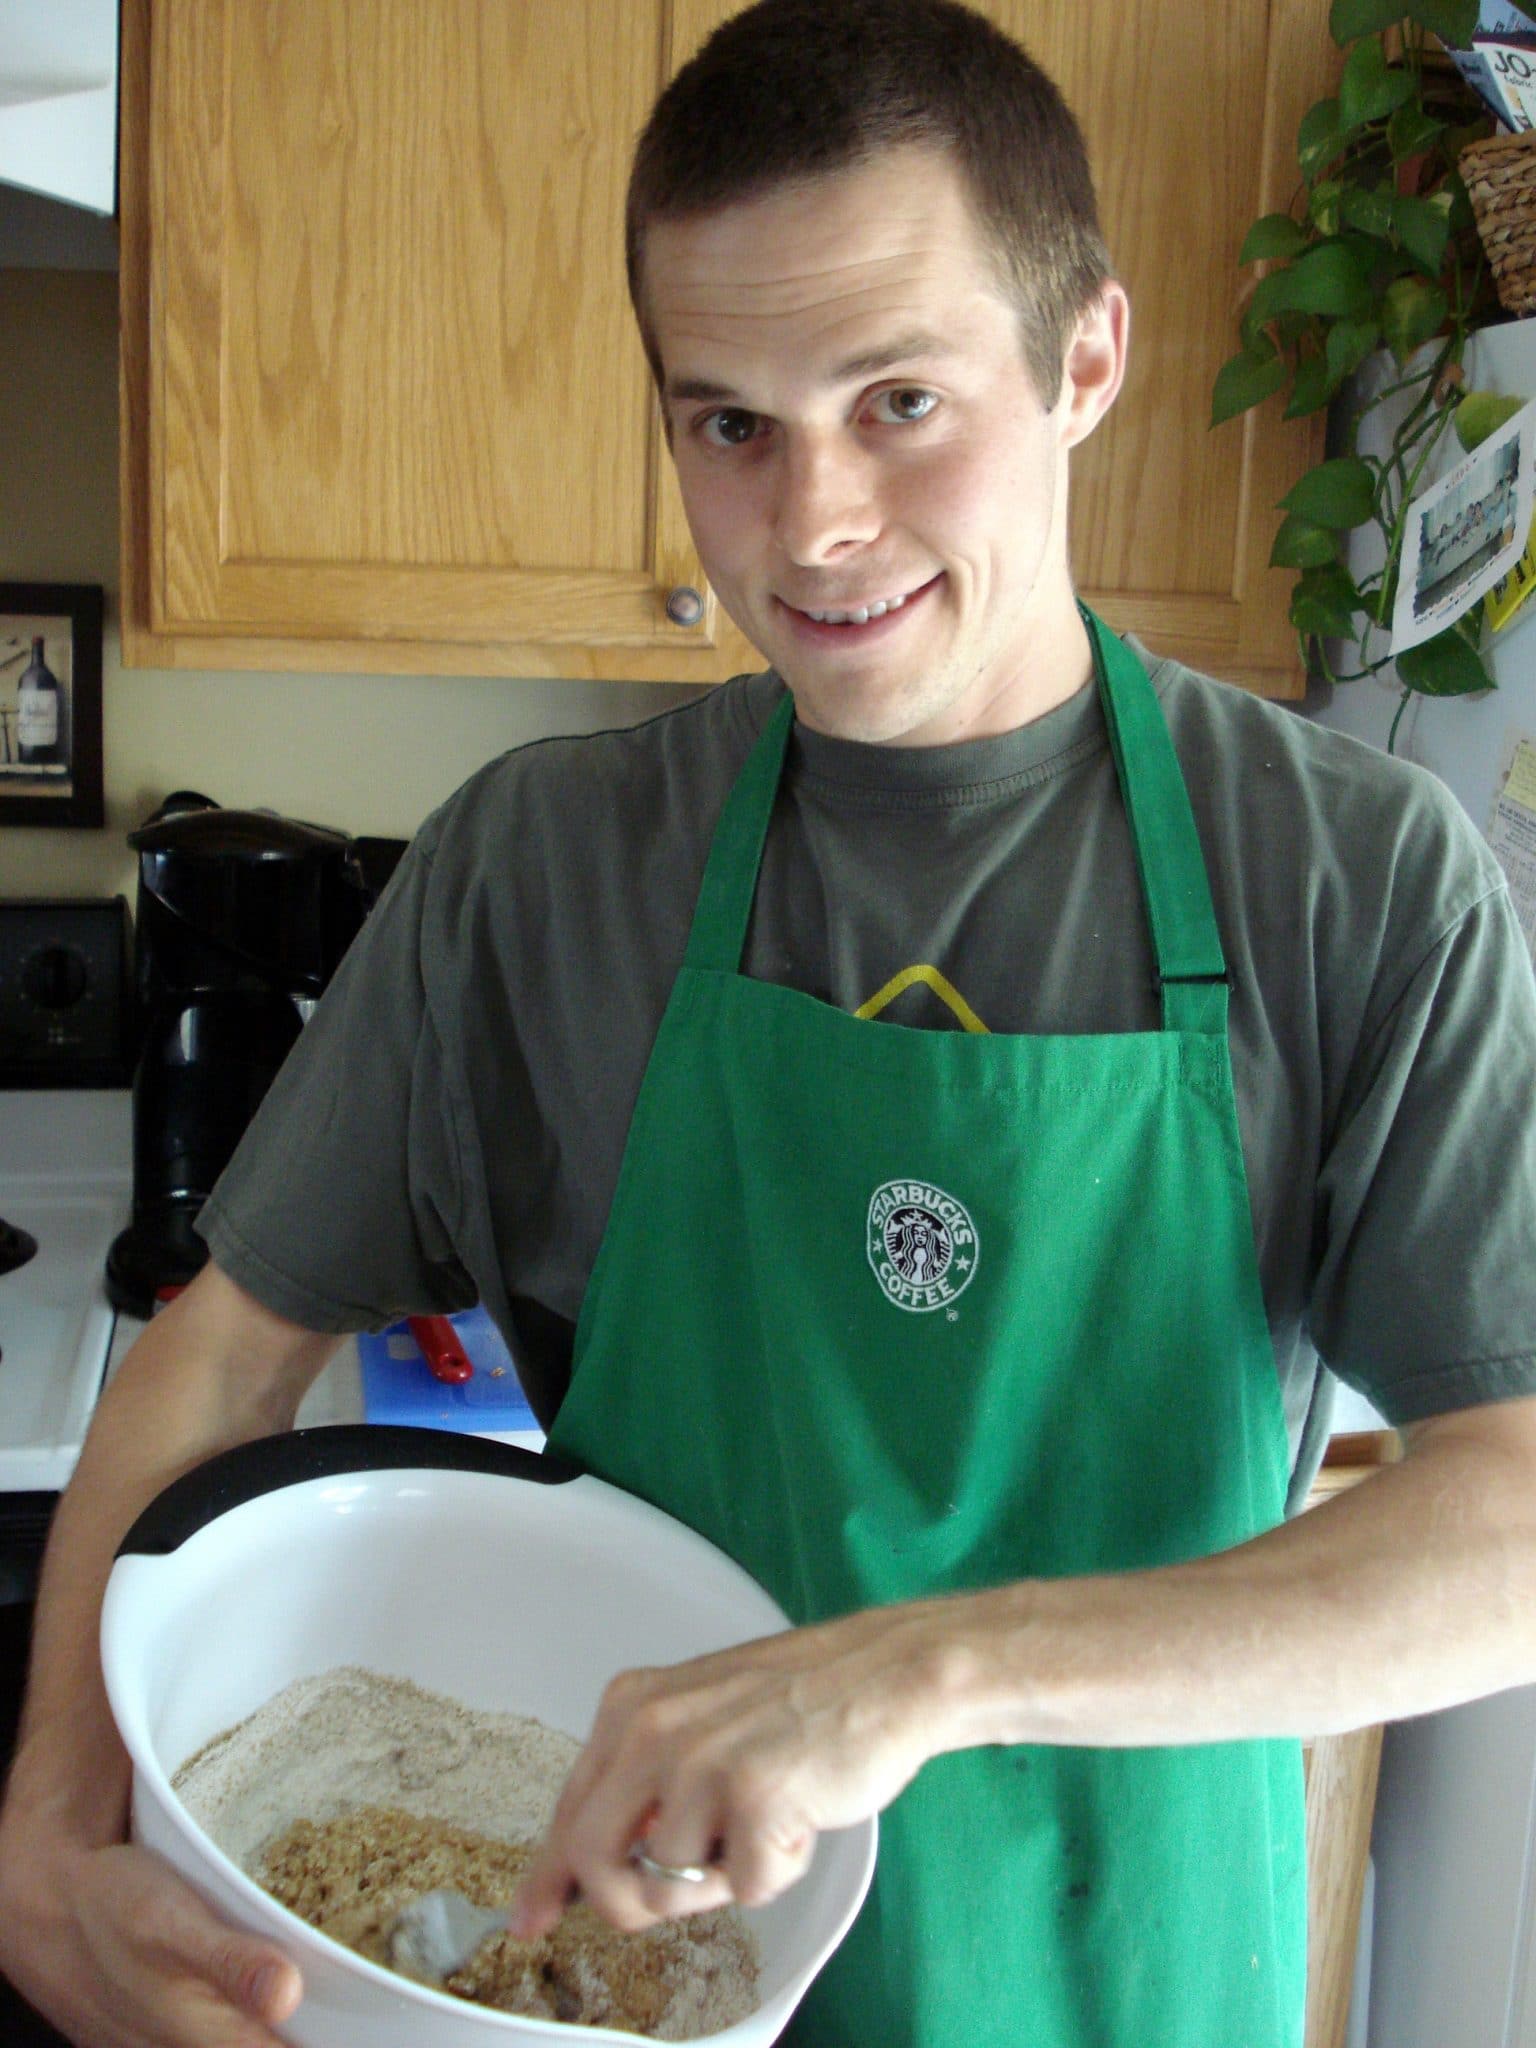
[921, 1243]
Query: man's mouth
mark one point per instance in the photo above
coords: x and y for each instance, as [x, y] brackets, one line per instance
[858, 614]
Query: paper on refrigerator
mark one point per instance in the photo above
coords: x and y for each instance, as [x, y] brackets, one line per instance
[1511, 70]
[1512, 833]
[1466, 532]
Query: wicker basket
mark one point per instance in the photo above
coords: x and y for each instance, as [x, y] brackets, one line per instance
[1500, 176]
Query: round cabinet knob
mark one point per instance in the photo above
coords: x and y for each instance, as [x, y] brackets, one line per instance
[685, 607]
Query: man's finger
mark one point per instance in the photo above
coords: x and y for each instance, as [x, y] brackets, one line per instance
[666, 1898]
[196, 1979]
[201, 2016]
[548, 1887]
[761, 1864]
[257, 1979]
[682, 1836]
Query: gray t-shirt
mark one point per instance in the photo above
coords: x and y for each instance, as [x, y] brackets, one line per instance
[452, 1122]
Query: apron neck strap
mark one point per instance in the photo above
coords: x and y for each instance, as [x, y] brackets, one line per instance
[1191, 971]
[719, 935]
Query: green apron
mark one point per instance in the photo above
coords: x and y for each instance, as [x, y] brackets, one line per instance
[886, 1313]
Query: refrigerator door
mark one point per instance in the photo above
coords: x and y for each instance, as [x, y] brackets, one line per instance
[1453, 1956]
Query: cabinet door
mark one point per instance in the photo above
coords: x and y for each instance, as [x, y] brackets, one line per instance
[384, 407]
[1191, 112]
[388, 395]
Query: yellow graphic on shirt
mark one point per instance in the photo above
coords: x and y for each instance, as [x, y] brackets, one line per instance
[930, 977]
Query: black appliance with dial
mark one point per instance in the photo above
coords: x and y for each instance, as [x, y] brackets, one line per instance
[242, 917]
[64, 1008]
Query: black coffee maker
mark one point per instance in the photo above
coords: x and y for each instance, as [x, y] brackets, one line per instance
[242, 918]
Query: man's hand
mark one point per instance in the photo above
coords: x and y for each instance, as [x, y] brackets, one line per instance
[101, 1937]
[738, 1761]
[1412, 1592]
[124, 1955]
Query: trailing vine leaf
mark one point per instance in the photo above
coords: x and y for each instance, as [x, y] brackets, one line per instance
[1325, 602]
[1480, 414]
[1453, 21]
[1350, 18]
[1412, 309]
[1246, 379]
[1369, 211]
[1303, 544]
[1341, 493]
[1331, 278]
[1368, 89]
[1349, 343]
[1312, 389]
[1424, 228]
[1411, 131]
[1317, 139]
[1323, 203]
[1275, 237]
[1446, 666]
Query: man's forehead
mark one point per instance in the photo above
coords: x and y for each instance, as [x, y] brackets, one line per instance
[860, 270]
[883, 209]
[913, 345]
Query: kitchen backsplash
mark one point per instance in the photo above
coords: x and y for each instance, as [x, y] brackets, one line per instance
[369, 754]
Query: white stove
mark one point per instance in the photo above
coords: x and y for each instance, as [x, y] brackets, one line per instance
[66, 1180]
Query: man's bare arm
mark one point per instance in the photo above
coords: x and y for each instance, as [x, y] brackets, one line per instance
[100, 1937]
[1415, 1590]
[1412, 1591]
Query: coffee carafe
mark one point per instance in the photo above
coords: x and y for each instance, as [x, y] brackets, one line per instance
[242, 918]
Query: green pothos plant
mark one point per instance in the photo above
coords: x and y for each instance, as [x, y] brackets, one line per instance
[1379, 250]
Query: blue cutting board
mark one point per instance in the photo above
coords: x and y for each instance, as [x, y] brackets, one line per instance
[398, 1384]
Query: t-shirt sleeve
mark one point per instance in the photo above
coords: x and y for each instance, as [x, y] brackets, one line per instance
[339, 1208]
[1425, 1289]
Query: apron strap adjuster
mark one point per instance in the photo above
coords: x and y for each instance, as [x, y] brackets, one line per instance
[1162, 981]
[1190, 1002]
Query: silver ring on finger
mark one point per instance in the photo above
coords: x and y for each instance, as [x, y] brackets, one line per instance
[672, 1873]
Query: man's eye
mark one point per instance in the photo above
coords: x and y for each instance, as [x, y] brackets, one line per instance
[902, 407]
[731, 427]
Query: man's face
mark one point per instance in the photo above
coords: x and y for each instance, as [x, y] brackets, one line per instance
[854, 428]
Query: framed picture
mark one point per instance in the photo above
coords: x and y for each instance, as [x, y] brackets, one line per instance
[50, 704]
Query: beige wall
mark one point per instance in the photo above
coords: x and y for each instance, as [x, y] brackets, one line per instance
[363, 753]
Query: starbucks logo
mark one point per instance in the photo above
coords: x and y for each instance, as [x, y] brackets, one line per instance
[921, 1244]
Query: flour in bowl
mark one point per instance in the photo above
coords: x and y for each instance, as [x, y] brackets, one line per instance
[349, 1793]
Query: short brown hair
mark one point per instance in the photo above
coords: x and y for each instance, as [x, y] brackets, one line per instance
[791, 90]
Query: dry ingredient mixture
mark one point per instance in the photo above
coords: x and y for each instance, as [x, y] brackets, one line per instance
[349, 1794]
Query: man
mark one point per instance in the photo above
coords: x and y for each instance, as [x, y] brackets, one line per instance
[1024, 1490]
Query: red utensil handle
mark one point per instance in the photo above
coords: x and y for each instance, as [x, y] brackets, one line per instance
[442, 1348]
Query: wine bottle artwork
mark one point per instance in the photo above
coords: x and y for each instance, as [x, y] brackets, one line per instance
[50, 707]
[41, 740]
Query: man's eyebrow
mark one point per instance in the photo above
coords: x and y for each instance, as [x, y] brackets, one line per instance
[699, 387]
[917, 344]
[905, 348]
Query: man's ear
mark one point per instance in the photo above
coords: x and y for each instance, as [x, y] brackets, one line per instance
[1095, 364]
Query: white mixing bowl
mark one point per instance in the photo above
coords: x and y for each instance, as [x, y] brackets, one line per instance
[473, 1569]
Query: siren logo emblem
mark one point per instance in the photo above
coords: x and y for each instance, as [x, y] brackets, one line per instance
[922, 1245]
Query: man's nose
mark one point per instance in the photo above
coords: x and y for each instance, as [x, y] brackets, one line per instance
[826, 499]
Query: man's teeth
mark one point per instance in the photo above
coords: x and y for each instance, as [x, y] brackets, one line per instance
[861, 616]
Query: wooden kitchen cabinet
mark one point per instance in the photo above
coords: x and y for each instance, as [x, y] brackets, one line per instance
[1342, 1773]
[383, 406]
